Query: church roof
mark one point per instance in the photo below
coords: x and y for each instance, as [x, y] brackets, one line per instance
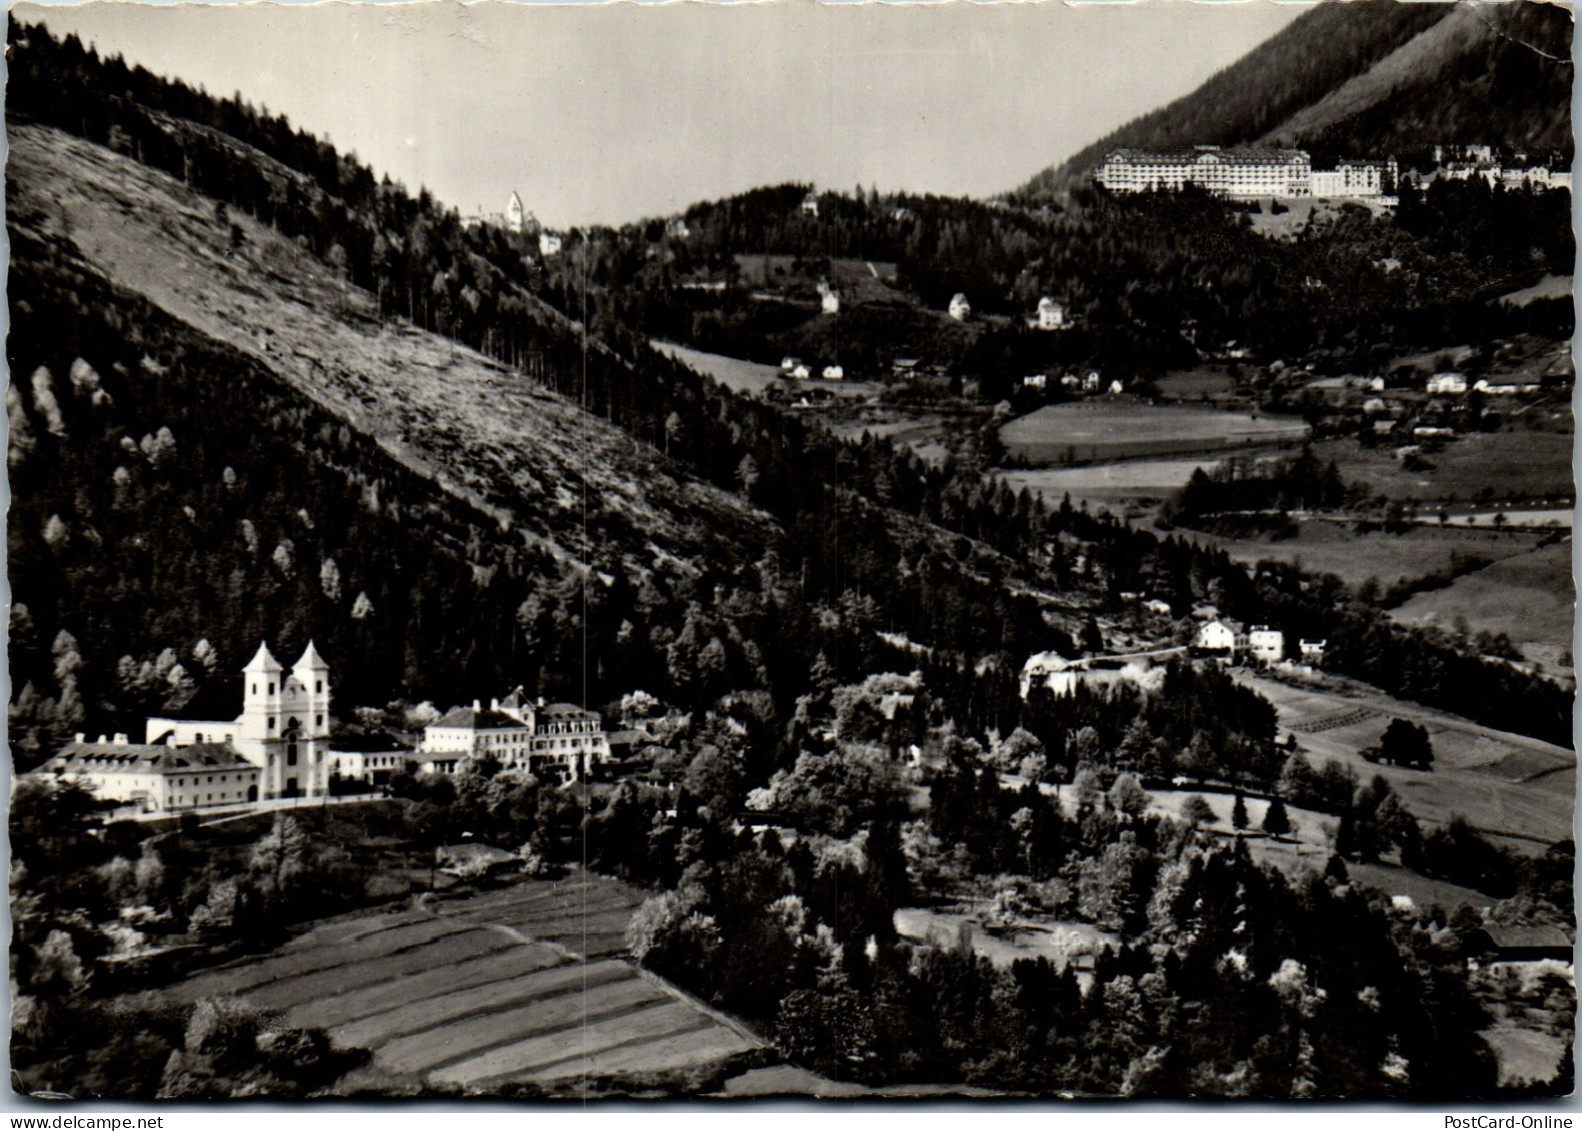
[262, 661]
[310, 660]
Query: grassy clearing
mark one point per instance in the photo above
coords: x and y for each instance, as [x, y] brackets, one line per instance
[1113, 485]
[1550, 286]
[1529, 596]
[1121, 428]
[1322, 547]
[751, 378]
[1514, 464]
[1517, 790]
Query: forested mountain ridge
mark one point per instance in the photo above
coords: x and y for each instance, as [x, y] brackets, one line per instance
[1363, 79]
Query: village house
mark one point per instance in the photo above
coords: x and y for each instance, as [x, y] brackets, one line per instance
[548, 244]
[368, 759]
[1266, 645]
[284, 727]
[1312, 651]
[1446, 384]
[1062, 676]
[1051, 315]
[834, 373]
[1497, 943]
[810, 205]
[154, 778]
[1216, 637]
[1035, 381]
[829, 299]
[960, 309]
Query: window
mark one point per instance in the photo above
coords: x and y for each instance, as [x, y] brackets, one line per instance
[318, 687]
[318, 720]
[271, 687]
[291, 753]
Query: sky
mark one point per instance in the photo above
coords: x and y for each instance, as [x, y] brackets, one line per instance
[606, 113]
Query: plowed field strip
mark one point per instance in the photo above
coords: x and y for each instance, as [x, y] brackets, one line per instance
[366, 972]
[536, 1054]
[296, 963]
[546, 913]
[700, 1045]
[381, 997]
[379, 1029]
[568, 893]
[554, 1023]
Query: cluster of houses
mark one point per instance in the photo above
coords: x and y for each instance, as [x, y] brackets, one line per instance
[1259, 644]
[1513, 170]
[799, 370]
[1091, 384]
[280, 746]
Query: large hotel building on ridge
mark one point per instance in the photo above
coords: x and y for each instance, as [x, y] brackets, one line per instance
[1242, 173]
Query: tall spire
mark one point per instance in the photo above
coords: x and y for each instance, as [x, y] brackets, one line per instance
[310, 660]
[263, 661]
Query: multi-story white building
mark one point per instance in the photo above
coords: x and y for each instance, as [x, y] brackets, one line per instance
[157, 779]
[1266, 645]
[521, 735]
[1355, 177]
[1241, 173]
[1216, 636]
[284, 727]
[960, 308]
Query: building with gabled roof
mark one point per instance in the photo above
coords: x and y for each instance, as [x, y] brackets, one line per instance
[156, 778]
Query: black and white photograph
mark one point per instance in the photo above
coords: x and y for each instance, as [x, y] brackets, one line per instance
[577, 554]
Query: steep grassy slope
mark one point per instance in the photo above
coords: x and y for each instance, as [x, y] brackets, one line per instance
[225, 443]
[1510, 69]
[527, 457]
[1374, 78]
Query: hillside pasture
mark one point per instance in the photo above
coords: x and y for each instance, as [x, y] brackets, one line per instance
[1115, 428]
[527, 983]
[1519, 791]
[1530, 597]
[1327, 547]
[1513, 464]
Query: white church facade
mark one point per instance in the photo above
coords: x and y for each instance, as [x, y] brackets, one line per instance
[283, 730]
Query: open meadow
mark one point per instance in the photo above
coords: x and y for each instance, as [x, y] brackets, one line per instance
[1115, 428]
[1518, 791]
[1510, 464]
[751, 379]
[1328, 547]
[1529, 597]
[524, 984]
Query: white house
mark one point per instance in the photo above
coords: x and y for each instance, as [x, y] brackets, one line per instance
[284, 727]
[1051, 315]
[548, 244]
[801, 372]
[787, 364]
[515, 214]
[834, 373]
[1312, 651]
[1443, 384]
[1035, 381]
[810, 205]
[518, 734]
[1090, 383]
[829, 301]
[1266, 645]
[1116, 387]
[1155, 605]
[960, 308]
[1216, 636]
[157, 778]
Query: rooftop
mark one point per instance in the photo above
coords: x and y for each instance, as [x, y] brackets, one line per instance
[139, 758]
[475, 719]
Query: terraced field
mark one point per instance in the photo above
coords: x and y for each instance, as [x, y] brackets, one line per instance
[525, 984]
